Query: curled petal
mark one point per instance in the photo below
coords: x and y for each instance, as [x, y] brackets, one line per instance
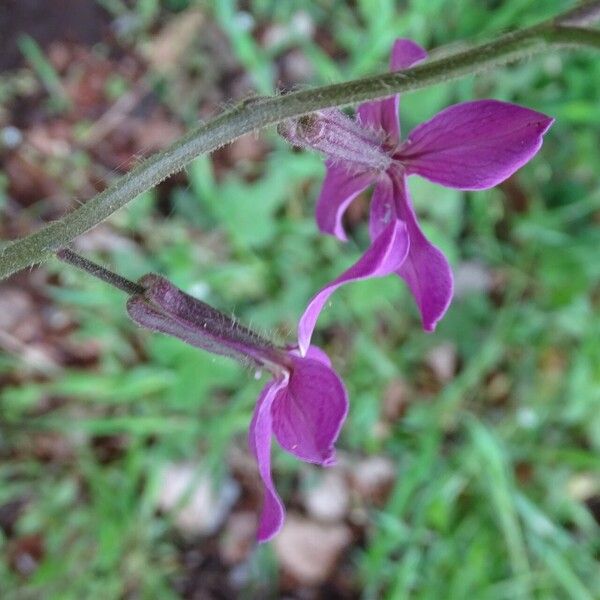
[383, 114]
[425, 270]
[309, 413]
[340, 187]
[384, 256]
[474, 145]
[273, 512]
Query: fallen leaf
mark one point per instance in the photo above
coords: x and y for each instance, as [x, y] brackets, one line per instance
[308, 551]
[167, 48]
[443, 361]
[373, 477]
[328, 498]
[199, 506]
[239, 537]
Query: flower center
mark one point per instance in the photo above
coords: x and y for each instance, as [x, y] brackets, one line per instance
[340, 138]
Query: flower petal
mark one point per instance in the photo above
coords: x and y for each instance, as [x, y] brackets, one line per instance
[425, 270]
[384, 256]
[315, 353]
[474, 145]
[383, 114]
[406, 54]
[261, 427]
[383, 206]
[340, 187]
[308, 415]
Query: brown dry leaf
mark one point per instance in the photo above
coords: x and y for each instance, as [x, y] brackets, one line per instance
[16, 306]
[498, 388]
[300, 25]
[22, 330]
[373, 478]
[51, 139]
[329, 498]
[122, 147]
[112, 118]
[104, 238]
[239, 537]
[553, 364]
[309, 551]
[155, 132]
[583, 486]
[52, 447]
[25, 553]
[166, 50]
[86, 86]
[200, 506]
[443, 361]
[296, 68]
[28, 182]
[396, 398]
[249, 147]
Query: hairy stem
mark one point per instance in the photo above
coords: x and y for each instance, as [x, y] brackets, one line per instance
[573, 36]
[253, 114]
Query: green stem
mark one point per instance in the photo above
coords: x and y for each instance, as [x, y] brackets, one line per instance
[573, 37]
[253, 114]
[117, 281]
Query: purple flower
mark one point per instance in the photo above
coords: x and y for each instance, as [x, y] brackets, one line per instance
[304, 406]
[468, 146]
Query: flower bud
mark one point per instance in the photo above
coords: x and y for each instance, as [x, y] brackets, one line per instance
[339, 138]
[165, 308]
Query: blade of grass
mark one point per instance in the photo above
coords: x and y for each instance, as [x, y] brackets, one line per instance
[32, 52]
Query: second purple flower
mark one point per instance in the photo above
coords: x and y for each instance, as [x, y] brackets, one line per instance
[468, 146]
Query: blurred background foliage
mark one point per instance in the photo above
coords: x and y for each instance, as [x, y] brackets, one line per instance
[469, 463]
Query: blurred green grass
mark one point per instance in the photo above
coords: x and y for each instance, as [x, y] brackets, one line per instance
[462, 520]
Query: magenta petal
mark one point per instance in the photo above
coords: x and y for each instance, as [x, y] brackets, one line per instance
[309, 413]
[405, 54]
[474, 145]
[340, 187]
[425, 270]
[383, 206]
[273, 512]
[319, 355]
[383, 114]
[383, 257]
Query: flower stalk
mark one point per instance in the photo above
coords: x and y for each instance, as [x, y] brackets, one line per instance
[156, 304]
[303, 405]
[99, 272]
[256, 113]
